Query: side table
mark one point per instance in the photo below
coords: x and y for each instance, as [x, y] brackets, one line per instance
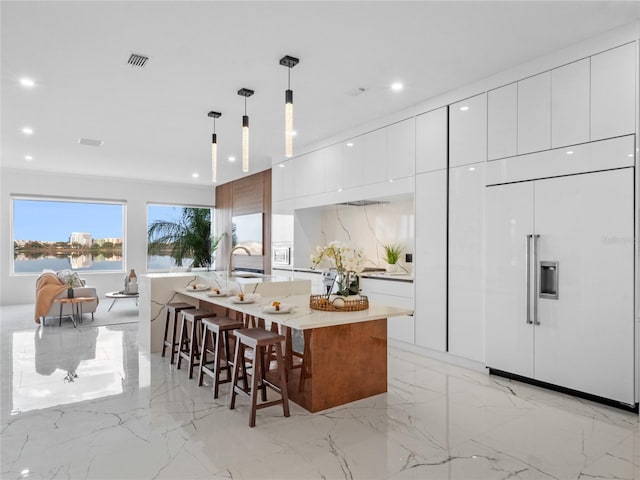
[76, 308]
[118, 295]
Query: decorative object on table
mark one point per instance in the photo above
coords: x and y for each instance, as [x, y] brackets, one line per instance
[131, 282]
[278, 307]
[392, 255]
[70, 285]
[347, 262]
[198, 287]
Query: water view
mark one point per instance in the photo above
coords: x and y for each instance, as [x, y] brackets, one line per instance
[88, 263]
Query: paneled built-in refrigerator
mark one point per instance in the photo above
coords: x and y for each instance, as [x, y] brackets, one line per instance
[560, 282]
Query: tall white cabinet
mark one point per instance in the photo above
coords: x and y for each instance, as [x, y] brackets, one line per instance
[559, 281]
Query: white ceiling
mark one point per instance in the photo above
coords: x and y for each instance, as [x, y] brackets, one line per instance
[153, 121]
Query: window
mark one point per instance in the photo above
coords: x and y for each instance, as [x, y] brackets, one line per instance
[67, 234]
[178, 236]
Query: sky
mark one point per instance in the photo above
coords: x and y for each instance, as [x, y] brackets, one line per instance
[53, 221]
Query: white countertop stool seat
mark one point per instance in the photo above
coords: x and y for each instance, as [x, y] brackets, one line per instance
[259, 340]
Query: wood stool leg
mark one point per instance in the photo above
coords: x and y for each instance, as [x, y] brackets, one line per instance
[193, 347]
[203, 353]
[283, 380]
[174, 350]
[166, 330]
[238, 360]
[256, 374]
[183, 338]
[263, 358]
[217, 360]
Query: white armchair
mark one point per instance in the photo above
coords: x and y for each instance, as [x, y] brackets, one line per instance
[50, 287]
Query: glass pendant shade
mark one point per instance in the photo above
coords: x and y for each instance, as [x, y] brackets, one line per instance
[245, 143]
[288, 124]
[214, 158]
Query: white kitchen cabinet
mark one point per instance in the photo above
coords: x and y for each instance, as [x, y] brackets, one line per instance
[353, 162]
[502, 122]
[468, 131]
[374, 146]
[534, 113]
[613, 92]
[431, 141]
[333, 168]
[309, 174]
[560, 282]
[282, 179]
[466, 274]
[430, 262]
[570, 104]
[401, 140]
[396, 294]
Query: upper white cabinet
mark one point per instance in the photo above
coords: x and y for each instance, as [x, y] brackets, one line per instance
[353, 161]
[309, 174]
[570, 104]
[375, 156]
[282, 181]
[613, 92]
[534, 113]
[468, 131]
[401, 140]
[431, 141]
[502, 124]
[333, 168]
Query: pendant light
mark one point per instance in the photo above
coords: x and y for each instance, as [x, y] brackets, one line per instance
[214, 147]
[245, 92]
[288, 62]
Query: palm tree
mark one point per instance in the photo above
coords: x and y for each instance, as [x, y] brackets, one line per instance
[190, 236]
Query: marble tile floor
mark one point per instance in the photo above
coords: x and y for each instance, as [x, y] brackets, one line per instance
[86, 404]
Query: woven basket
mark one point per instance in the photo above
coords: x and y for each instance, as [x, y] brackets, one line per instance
[338, 304]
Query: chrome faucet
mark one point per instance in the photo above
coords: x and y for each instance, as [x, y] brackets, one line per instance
[230, 266]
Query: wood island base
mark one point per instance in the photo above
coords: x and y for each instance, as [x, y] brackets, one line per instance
[340, 364]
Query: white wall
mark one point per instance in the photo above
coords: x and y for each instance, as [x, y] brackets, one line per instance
[20, 288]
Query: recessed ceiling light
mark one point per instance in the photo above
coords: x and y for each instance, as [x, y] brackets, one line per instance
[464, 108]
[396, 86]
[472, 169]
[28, 158]
[629, 154]
[195, 175]
[232, 159]
[281, 165]
[294, 133]
[27, 130]
[350, 144]
[570, 152]
[391, 180]
[27, 82]
[339, 189]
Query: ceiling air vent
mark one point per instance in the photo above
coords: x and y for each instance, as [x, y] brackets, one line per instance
[362, 203]
[89, 142]
[136, 60]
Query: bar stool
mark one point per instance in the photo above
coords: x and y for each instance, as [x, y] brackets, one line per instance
[258, 339]
[216, 331]
[189, 347]
[172, 312]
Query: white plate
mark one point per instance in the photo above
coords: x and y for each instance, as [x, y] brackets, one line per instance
[199, 288]
[284, 308]
[247, 299]
[211, 293]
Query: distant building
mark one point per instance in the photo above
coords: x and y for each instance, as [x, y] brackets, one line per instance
[102, 241]
[80, 238]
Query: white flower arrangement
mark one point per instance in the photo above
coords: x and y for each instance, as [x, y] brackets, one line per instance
[346, 260]
[342, 257]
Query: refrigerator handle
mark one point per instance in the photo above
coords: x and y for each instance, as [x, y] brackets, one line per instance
[528, 275]
[535, 279]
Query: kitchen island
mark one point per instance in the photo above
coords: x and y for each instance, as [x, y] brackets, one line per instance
[344, 354]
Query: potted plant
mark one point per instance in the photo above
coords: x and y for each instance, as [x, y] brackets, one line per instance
[392, 255]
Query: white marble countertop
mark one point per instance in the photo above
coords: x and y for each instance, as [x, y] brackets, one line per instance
[303, 317]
